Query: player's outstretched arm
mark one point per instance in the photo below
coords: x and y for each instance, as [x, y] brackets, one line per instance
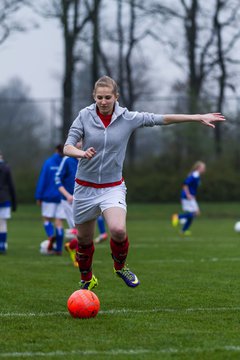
[206, 119]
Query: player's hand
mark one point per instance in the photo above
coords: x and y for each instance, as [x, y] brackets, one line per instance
[70, 199]
[89, 153]
[208, 119]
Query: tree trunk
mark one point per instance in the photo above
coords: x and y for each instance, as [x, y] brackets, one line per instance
[222, 77]
[68, 87]
[95, 42]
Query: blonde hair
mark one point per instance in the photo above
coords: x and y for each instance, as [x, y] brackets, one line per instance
[106, 81]
[197, 164]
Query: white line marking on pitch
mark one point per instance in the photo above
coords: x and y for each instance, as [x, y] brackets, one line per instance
[117, 352]
[213, 259]
[124, 311]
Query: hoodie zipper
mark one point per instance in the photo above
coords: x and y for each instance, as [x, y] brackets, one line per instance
[102, 157]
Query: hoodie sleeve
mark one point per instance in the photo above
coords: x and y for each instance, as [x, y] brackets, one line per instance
[76, 131]
[142, 119]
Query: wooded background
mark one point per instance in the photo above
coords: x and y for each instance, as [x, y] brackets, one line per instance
[128, 40]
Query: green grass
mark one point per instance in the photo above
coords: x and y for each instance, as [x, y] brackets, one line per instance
[187, 306]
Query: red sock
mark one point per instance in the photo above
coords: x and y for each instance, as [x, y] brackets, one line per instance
[51, 239]
[119, 253]
[73, 244]
[84, 257]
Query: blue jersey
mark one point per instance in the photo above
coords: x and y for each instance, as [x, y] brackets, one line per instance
[192, 181]
[66, 173]
[46, 188]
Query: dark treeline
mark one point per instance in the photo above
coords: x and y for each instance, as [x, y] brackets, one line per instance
[126, 40]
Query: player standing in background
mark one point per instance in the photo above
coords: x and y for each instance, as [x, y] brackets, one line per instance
[7, 202]
[104, 129]
[188, 198]
[65, 181]
[49, 198]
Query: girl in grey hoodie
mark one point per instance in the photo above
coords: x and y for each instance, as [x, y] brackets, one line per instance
[104, 129]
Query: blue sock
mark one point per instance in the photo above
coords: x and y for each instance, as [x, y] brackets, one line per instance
[3, 241]
[59, 239]
[101, 225]
[49, 228]
[189, 219]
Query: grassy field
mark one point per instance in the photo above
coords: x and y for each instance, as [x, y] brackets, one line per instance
[187, 306]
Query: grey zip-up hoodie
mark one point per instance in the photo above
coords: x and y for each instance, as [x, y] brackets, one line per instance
[110, 143]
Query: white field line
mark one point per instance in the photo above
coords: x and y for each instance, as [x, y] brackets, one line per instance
[213, 259]
[123, 311]
[117, 352]
[152, 261]
[52, 261]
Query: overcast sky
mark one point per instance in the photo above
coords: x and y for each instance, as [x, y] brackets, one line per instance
[35, 57]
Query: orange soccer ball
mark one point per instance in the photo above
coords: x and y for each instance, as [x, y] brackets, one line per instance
[83, 304]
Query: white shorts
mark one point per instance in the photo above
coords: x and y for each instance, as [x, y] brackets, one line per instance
[190, 205]
[90, 202]
[53, 210]
[5, 212]
[68, 210]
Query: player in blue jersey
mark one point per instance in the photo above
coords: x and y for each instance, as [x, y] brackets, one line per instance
[7, 201]
[49, 198]
[188, 198]
[65, 181]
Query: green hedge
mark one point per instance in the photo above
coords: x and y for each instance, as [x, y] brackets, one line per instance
[151, 184]
[25, 181]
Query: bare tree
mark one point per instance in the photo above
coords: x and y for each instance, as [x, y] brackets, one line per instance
[8, 22]
[95, 41]
[129, 95]
[225, 20]
[130, 63]
[72, 24]
[73, 15]
[18, 112]
[196, 44]
[210, 34]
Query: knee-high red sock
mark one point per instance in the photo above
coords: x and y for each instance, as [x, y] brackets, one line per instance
[73, 244]
[119, 253]
[84, 257]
